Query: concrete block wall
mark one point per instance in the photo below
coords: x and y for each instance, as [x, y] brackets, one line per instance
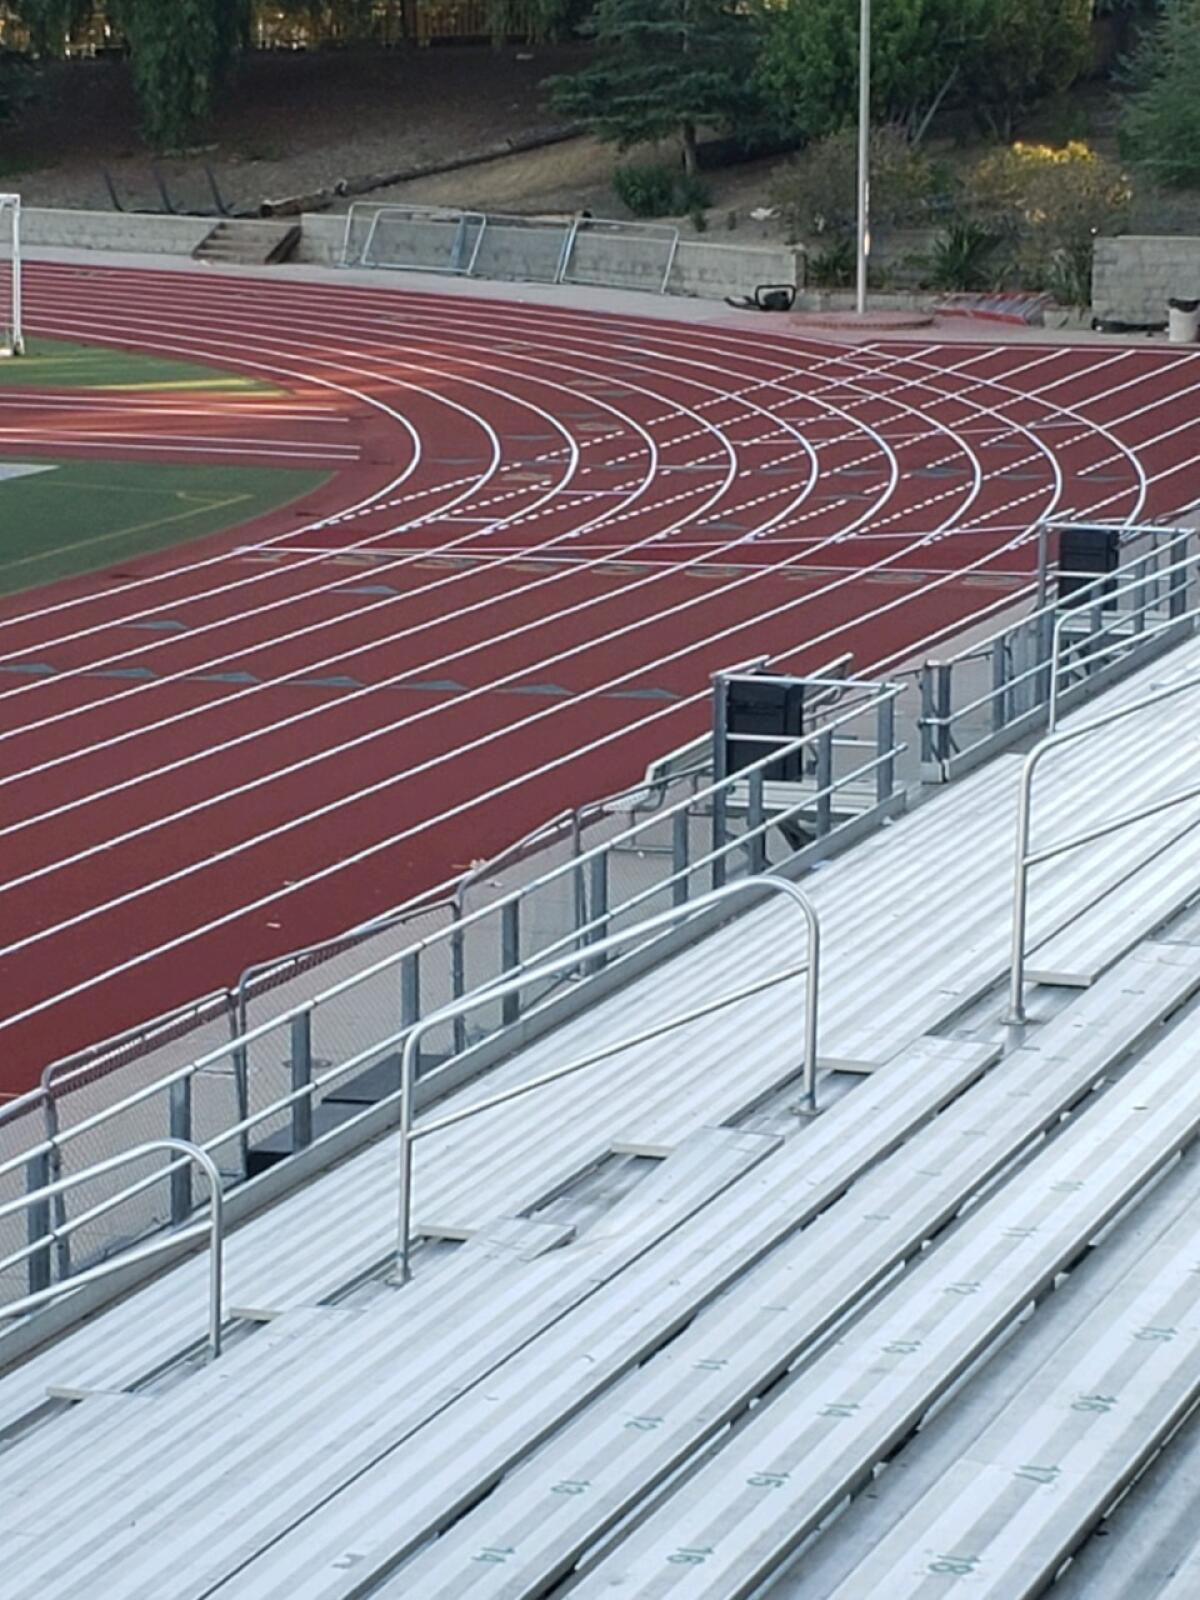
[1134, 276]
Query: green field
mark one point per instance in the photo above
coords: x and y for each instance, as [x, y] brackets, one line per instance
[82, 515]
[55, 364]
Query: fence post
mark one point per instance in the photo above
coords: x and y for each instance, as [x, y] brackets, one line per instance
[926, 718]
[1046, 654]
[720, 834]
[943, 711]
[598, 910]
[240, 1066]
[458, 976]
[62, 1245]
[824, 779]
[510, 956]
[37, 1225]
[181, 1128]
[301, 1072]
[578, 878]
[756, 851]
[885, 745]
[680, 855]
[999, 681]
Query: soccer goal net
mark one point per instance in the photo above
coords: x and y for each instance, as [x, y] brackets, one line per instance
[12, 342]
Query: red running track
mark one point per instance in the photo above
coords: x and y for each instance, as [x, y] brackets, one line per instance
[545, 529]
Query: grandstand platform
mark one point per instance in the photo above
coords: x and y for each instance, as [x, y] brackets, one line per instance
[665, 1334]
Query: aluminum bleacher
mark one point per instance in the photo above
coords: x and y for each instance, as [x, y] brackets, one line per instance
[665, 1336]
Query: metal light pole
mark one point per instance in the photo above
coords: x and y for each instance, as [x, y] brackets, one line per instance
[864, 151]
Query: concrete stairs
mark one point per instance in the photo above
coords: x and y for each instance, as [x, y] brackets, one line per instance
[248, 244]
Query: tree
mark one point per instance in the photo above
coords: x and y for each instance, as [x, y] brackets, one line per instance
[993, 54]
[181, 54]
[1160, 127]
[1022, 50]
[663, 68]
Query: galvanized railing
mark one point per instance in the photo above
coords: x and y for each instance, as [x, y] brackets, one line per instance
[44, 1236]
[468, 244]
[297, 1075]
[998, 689]
[1026, 857]
[409, 1132]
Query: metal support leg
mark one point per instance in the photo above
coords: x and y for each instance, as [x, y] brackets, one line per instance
[598, 910]
[181, 1128]
[510, 956]
[458, 975]
[885, 744]
[680, 854]
[301, 1064]
[824, 779]
[37, 1226]
[756, 846]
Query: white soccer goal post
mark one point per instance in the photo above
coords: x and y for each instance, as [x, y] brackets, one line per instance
[12, 341]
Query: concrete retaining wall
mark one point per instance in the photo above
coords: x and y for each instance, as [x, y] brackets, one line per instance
[512, 253]
[112, 230]
[1133, 277]
[701, 268]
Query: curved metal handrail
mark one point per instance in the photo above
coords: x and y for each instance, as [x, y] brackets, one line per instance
[215, 1227]
[489, 994]
[1026, 858]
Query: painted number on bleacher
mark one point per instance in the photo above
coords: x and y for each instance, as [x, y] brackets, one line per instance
[1156, 1335]
[955, 1566]
[644, 1424]
[713, 1365]
[690, 1558]
[902, 1347]
[963, 1288]
[768, 1480]
[1038, 1474]
[840, 1408]
[1094, 1402]
[572, 1486]
[495, 1553]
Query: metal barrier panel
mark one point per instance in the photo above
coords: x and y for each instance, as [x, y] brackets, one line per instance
[621, 255]
[999, 689]
[415, 238]
[521, 251]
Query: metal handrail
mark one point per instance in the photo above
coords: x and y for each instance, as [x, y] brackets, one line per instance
[979, 648]
[496, 992]
[886, 691]
[215, 1228]
[1094, 656]
[1025, 858]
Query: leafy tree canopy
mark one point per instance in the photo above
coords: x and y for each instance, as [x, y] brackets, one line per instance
[1161, 125]
[995, 54]
[662, 67]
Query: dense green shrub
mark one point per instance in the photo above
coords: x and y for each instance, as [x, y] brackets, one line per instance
[657, 191]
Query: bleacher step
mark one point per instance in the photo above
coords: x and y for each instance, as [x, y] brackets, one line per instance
[1011, 1511]
[748, 1507]
[733, 1353]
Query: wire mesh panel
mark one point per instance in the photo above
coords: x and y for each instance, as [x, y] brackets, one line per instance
[521, 250]
[633, 255]
[11, 337]
[20, 1133]
[416, 238]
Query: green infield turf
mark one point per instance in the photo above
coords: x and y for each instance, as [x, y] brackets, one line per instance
[76, 516]
[56, 364]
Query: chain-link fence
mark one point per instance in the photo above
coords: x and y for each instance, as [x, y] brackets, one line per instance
[321, 1058]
